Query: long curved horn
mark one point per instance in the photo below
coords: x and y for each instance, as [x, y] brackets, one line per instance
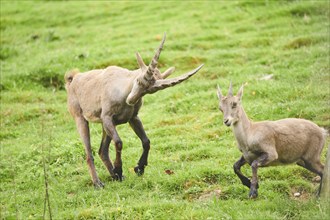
[162, 84]
[154, 61]
[230, 91]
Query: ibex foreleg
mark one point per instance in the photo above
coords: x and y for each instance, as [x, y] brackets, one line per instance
[104, 153]
[137, 126]
[111, 131]
[237, 169]
[262, 160]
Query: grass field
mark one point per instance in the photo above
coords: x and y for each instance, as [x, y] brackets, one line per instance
[241, 41]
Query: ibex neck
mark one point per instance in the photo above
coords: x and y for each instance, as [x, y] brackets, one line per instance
[242, 127]
[137, 72]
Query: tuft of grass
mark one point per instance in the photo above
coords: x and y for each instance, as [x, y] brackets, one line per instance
[299, 42]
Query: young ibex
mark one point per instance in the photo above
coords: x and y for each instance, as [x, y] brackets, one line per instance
[270, 143]
[113, 96]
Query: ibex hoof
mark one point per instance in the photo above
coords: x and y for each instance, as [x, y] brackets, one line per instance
[253, 194]
[138, 170]
[118, 174]
[98, 184]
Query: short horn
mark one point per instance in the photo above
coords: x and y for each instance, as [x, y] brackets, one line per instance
[162, 84]
[230, 91]
[167, 72]
[219, 93]
[140, 62]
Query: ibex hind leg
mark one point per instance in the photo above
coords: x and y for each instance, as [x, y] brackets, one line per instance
[315, 167]
[83, 130]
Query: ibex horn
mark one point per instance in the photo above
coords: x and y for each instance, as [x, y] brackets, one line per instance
[164, 83]
[154, 61]
[230, 91]
[140, 62]
[219, 93]
[168, 72]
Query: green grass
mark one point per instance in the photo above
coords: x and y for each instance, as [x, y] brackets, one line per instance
[239, 41]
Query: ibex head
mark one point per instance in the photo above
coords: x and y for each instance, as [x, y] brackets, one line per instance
[152, 80]
[230, 105]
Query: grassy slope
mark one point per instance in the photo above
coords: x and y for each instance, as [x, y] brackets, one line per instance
[237, 41]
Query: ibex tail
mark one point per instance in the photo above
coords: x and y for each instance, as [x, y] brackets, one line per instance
[69, 77]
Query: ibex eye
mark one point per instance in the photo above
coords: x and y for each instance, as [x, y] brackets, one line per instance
[234, 105]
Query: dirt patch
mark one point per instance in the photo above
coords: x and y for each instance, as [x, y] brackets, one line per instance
[215, 193]
[298, 194]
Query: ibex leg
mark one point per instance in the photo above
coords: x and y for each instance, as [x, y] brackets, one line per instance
[104, 153]
[316, 167]
[83, 130]
[263, 160]
[111, 131]
[237, 169]
[137, 126]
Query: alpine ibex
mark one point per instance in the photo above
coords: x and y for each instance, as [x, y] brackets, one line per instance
[113, 96]
[270, 143]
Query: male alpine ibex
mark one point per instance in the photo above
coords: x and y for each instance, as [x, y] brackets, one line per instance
[113, 96]
[270, 143]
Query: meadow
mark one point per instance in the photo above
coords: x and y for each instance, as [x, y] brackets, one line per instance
[190, 174]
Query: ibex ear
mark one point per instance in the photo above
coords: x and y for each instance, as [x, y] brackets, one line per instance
[168, 72]
[240, 93]
[140, 62]
[219, 93]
